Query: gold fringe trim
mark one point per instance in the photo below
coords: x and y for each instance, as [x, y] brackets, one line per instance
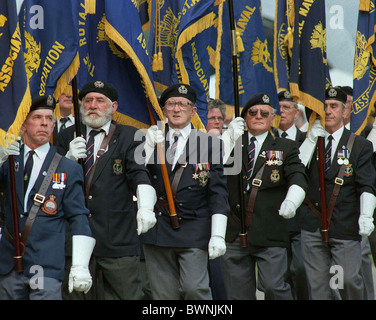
[364, 5]
[6, 138]
[63, 84]
[90, 6]
[218, 53]
[127, 48]
[307, 100]
[126, 120]
[187, 35]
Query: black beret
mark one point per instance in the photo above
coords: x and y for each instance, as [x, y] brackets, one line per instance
[43, 102]
[335, 93]
[285, 95]
[102, 87]
[257, 99]
[178, 90]
[348, 90]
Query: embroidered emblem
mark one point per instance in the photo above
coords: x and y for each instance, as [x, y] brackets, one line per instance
[117, 167]
[274, 177]
[50, 206]
[348, 170]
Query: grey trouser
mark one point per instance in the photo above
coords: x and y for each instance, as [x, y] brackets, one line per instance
[177, 273]
[343, 255]
[16, 286]
[239, 272]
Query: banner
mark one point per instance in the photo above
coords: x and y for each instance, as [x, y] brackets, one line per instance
[15, 98]
[364, 72]
[113, 49]
[308, 70]
[50, 38]
[180, 37]
[255, 69]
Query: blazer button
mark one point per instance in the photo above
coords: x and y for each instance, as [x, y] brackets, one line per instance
[22, 216]
[316, 204]
[90, 215]
[179, 218]
[237, 206]
[244, 192]
[154, 177]
[159, 214]
[180, 204]
[90, 197]
[245, 177]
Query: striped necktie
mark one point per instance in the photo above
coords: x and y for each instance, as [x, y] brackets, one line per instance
[328, 154]
[63, 122]
[89, 162]
[171, 151]
[251, 157]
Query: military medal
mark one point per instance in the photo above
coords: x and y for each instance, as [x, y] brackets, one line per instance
[58, 180]
[202, 173]
[275, 157]
[50, 206]
[117, 167]
[343, 157]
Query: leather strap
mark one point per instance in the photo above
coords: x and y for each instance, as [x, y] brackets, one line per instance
[177, 176]
[337, 186]
[256, 183]
[38, 200]
[101, 151]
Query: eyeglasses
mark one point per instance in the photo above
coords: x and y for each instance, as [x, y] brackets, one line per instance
[254, 112]
[212, 119]
[183, 105]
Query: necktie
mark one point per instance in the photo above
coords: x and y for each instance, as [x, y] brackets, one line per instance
[284, 134]
[89, 162]
[63, 122]
[251, 156]
[28, 167]
[172, 148]
[328, 154]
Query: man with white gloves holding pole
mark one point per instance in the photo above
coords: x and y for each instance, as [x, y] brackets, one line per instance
[177, 256]
[44, 203]
[349, 190]
[112, 177]
[273, 183]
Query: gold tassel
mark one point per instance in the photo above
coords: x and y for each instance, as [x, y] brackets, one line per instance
[289, 40]
[364, 5]
[154, 64]
[239, 43]
[160, 61]
[90, 6]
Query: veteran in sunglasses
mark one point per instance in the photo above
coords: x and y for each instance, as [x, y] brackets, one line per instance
[273, 187]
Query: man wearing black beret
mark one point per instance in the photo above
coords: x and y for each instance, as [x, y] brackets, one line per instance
[112, 177]
[273, 185]
[177, 258]
[44, 206]
[350, 201]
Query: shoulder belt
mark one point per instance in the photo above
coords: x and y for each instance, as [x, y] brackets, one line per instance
[338, 182]
[38, 200]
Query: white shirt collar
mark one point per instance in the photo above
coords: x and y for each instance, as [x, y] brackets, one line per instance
[260, 138]
[105, 127]
[41, 151]
[291, 132]
[336, 135]
[185, 132]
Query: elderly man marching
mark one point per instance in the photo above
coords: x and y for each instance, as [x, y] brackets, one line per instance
[350, 202]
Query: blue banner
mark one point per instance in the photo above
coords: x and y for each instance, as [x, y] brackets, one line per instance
[15, 99]
[308, 70]
[364, 71]
[180, 33]
[255, 69]
[50, 38]
[113, 49]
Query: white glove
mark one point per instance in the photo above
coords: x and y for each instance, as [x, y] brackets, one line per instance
[77, 149]
[294, 198]
[153, 136]
[234, 132]
[372, 136]
[307, 148]
[12, 150]
[217, 244]
[79, 276]
[146, 198]
[367, 207]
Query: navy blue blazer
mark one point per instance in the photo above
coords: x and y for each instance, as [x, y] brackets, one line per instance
[197, 197]
[45, 244]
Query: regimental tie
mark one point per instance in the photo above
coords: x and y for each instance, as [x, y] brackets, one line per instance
[251, 157]
[89, 162]
[28, 168]
[284, 134]
[170, 154]
[63, 122]
[328, 154]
